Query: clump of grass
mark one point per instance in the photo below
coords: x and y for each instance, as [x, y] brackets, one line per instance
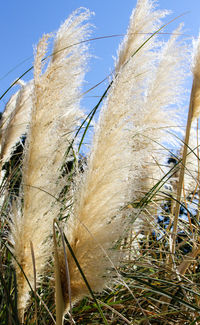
[111, 224]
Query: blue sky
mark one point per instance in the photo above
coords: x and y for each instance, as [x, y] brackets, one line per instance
[23, 22]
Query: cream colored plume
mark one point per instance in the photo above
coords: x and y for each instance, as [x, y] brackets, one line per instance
[140, 29]
[98, 219]
[15, 120]
[156, 116]
[55, 116]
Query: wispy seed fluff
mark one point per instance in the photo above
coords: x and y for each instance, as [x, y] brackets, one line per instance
[54, 118]
[114, 167]
[158, 114]
[156, 119]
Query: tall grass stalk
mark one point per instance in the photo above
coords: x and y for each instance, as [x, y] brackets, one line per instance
[182, 171]
[192, 114]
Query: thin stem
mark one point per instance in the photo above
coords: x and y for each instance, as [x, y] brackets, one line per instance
[182, 170]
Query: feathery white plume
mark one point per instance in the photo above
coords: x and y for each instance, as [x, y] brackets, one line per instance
[97, 220]
[55, 116]
[156, 115]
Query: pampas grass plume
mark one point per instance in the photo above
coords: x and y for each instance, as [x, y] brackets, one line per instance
[55, 116]
[114, 168]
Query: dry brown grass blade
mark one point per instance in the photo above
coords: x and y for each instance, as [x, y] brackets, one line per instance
[67, 274]
[188, 260]
[59, 301]
[115, 312]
